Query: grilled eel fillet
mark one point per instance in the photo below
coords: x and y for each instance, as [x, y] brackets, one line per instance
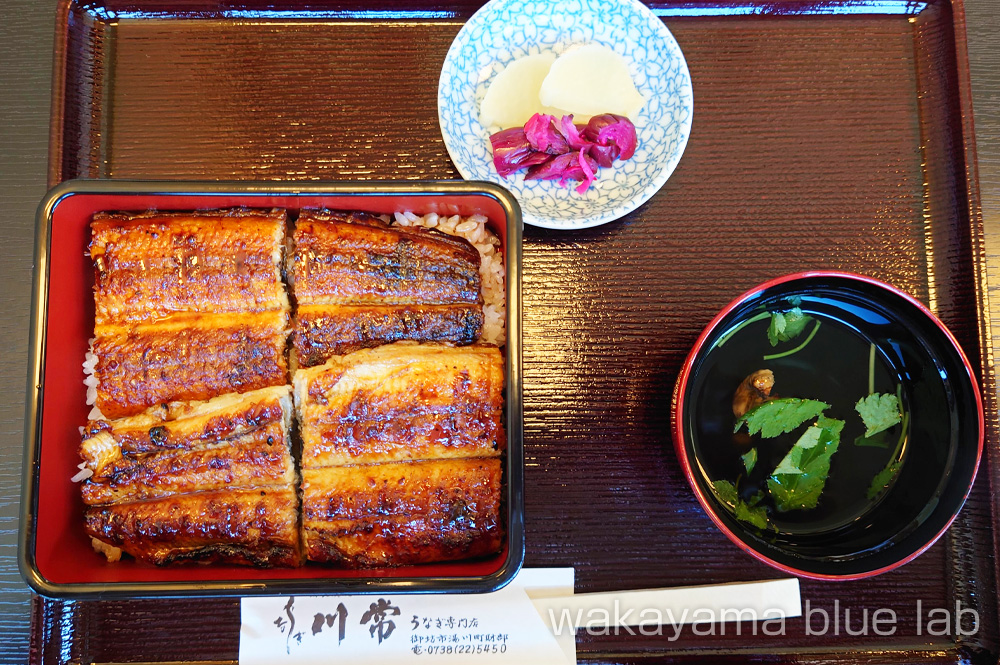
[400, 454]
[152, 265]
[188, 357]
[200, 481]
[403, 512]
[402, 401]
[360, 282]
[187, 306]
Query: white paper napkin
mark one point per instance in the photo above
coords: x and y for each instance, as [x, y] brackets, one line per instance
[499, 627]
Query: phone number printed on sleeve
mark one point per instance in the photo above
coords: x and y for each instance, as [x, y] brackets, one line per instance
[458, 649]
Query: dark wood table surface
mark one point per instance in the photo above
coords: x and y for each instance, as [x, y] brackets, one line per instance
[26, 34]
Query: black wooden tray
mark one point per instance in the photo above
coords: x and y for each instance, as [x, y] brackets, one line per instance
[831, 134]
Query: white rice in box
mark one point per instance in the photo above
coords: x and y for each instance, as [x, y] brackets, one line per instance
[91, 381]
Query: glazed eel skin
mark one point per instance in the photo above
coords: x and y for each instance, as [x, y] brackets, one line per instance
[402, 512]
[196, 481]
[402, 401]
[187, 306]
[360, 282]
[401, 450]
[151, 265]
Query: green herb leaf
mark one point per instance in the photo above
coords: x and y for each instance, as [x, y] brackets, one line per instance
[792, 352]
[879, 411]
[786, 326]
[745, 511]
[800, 477]
[754, 319]
[726, 492]
[883, 478]
[778, 416]
[756, 516]
[876, 441]
[750, 460]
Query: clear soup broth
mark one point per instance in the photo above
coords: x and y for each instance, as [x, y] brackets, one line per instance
[836, 365]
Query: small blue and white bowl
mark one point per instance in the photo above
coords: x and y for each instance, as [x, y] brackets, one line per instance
[505, 30]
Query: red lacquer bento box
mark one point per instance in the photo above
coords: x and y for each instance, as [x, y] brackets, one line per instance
[56, 557]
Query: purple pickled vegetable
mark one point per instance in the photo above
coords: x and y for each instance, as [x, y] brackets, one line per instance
[535, 158]
[512, 152]
[551, 169]
[569, 166]
[581, 168]
[604, 155]
[611, 130]
[544, 136]
[572, 133]
[560, 150]
[588, 171]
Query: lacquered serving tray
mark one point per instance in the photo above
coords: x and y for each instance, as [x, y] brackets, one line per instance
[827, 135]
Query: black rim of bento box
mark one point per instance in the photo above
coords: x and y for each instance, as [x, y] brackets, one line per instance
[514, 489]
